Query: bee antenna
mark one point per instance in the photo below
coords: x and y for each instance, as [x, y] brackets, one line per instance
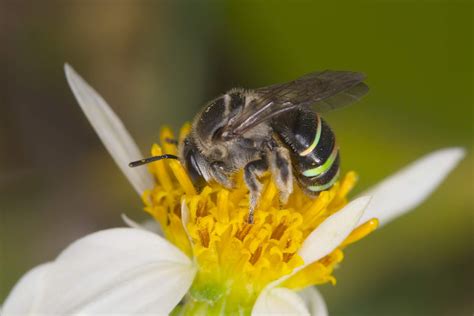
[150, 159]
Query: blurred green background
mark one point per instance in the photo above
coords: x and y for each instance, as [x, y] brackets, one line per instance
[157, 63]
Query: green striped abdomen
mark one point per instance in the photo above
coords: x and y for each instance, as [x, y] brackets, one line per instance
[314, 152]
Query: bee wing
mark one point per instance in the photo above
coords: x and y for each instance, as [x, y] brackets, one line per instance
[326, 90]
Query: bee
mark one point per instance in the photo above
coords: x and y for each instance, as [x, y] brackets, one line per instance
[277, 128]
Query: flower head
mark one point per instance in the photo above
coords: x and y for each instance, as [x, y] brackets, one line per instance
[236, 260]
[210, 259]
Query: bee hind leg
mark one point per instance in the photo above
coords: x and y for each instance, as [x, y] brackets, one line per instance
[280, 163]
[251, 171]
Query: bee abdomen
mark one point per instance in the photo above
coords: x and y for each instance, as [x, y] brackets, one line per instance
[323, 177]
[314, 152]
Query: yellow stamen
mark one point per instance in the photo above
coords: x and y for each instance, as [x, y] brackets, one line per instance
[184, 131]
[319, 272]
[360, 232]
[182, 177]
[166, 135]
[160, 170]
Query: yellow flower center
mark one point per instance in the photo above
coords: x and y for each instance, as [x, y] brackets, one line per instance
[235, 259]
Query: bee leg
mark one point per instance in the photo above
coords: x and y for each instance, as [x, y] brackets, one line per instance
[280, 163]
[217, 171]
[251, 171]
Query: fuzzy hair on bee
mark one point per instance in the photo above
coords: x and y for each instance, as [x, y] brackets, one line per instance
[276, 128]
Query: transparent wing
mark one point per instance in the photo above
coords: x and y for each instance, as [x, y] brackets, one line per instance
[326, 90]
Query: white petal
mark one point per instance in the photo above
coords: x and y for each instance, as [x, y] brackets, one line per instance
[150, 225]
[26, 292]
[314, 301]
[407, 188]
[332, 232]
[279, 301]
[110, 130]
[120, 270]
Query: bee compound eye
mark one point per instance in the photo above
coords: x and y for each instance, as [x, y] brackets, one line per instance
[194, 171]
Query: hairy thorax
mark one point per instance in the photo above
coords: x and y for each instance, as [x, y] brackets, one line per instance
[235, 154]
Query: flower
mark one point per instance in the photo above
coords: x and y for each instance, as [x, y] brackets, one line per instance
[208, 257]
[236, 260]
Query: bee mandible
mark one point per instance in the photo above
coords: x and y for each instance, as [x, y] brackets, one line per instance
[276, 128]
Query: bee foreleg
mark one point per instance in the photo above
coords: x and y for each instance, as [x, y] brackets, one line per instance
[219, 174]
[280, 164]
[251, 171]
